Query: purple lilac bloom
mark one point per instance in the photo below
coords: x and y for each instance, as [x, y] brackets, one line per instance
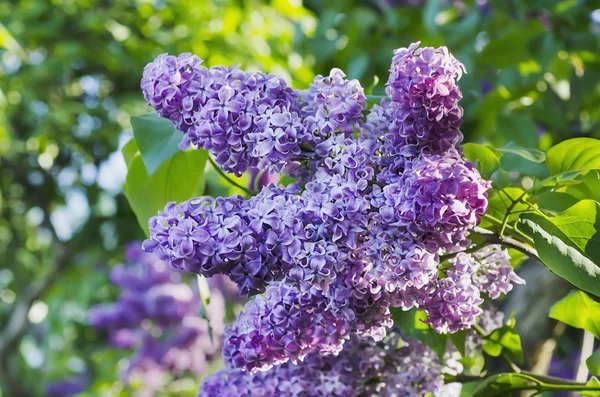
[495, 274]
[394, 367]
[253, 241]
[331, 107]
[158, 315]
[424, 100]
[489, 320]
[290, 321]
[438, 200]
[243, 119]
[379, 200]
[454, 304]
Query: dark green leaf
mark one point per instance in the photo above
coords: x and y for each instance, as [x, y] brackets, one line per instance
[459, 340]
[593, 363]
[411, 322]
[178, 179]
[504, 339]
[556, 201]
[568, 243]
[484, 158]
[579, 154]
[578, 310]
[156, 138]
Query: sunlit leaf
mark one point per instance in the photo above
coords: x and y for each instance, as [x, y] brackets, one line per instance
[569, 243]
[484, 158]
[579, 154]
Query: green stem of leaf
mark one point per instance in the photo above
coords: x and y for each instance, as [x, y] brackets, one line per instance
[475, 248]
[228, 179]
[507, 241]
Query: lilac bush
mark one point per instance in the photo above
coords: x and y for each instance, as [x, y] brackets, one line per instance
[158, 316]
[381, 201]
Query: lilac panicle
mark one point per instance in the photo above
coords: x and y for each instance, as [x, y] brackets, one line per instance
[424, 100]
[379, 201]
[395, 366]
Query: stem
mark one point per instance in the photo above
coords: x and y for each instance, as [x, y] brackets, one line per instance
[376, 99]
[507, 241]
[228, 179]
[467, 251]
[508, 212]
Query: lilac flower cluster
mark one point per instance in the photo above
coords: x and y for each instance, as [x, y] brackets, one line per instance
[380, 200]
[397, 366]
[158, 315]
[424, 100]
[250, 119]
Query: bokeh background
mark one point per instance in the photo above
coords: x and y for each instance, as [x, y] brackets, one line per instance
[69, 81]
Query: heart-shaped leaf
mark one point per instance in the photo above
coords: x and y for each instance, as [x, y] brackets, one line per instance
[156, 138]
[178, 179]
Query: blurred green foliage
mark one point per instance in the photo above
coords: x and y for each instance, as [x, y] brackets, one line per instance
[69, 80]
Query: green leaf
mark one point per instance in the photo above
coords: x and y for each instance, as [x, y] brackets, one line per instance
[178, 179]
[484, 158]
[156, 138]
[568, 243]
[503, 384]
[514, 163]
[578, 154]
[504, 339]
[499, 202]
[411, 322]
[593, 382]
[556, 201]
[579, 311]
[129, 151]
[459, 340]
[534, 155]
[593, 363]
[468, 388]
[587, 189]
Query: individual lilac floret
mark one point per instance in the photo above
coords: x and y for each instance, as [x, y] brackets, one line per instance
[363, 368]
[424, 99]
[495, 274]
[243, 119]
[438, 199]
[158, 315]
[454, 304]
[331, 107]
